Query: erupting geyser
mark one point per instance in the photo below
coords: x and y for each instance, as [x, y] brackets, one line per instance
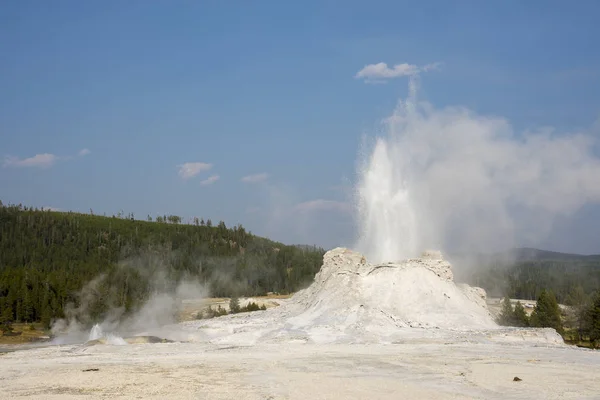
[386, 212]
[387, 217]
[436, 179]
[453, 180]
[97, 334]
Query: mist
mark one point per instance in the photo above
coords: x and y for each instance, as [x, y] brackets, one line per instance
[157, 309]
[450, 179]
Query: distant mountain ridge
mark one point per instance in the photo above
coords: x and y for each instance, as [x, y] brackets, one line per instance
[532, 254]
[523, 254]
[524, 272]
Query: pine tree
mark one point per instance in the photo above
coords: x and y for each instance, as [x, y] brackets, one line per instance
[506, 316]
[546, 313]
[210, 313]
[579, 303]
[46, 317]
[520, 316]
[6, 319]
[576, 296]
[251, 306]
[234, 305]
[27, 305]
[592, 321]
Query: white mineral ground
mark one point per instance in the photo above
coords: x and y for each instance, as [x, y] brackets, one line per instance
[360, 331]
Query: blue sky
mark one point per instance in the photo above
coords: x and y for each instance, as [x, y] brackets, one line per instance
[264, 88]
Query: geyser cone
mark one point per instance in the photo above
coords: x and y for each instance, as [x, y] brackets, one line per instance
[350, 294]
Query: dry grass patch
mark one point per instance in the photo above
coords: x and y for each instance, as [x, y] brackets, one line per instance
[23, 333]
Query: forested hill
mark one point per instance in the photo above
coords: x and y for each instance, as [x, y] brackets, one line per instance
[524, 272]
[47, 257]
[525, 254]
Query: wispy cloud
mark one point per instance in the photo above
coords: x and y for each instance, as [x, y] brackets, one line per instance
[255, 178]
[45, 160]
[323, 205]
[210, 180]
[285, 216]
[191, 169]
[378, 73]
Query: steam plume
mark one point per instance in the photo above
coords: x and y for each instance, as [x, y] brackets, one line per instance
[454, 180]
[98, 303]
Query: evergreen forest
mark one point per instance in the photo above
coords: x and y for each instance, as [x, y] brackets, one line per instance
[47, 257]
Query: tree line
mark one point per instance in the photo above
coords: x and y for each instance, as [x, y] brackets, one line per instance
[550, 278]
[47, 257]
[578, 322]
[527, 279]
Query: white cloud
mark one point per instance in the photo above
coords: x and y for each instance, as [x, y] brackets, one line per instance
[45, 160]
[378, 73]
[256, 178]
[280, 213]
[210, 180]
[326, 205]
[191, 169]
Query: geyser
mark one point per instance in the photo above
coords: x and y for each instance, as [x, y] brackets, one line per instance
[355, 301]
[452, 180]
[362, 299]
[97, 333]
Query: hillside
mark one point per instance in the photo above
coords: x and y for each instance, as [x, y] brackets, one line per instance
[524, 272]
[47, 257]
[529, 254]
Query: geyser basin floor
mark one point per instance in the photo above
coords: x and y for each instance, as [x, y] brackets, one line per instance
[375, 371]
[360, 331]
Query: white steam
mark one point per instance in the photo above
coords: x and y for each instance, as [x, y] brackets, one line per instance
[98, 333]
[160, 308]
[453, 180]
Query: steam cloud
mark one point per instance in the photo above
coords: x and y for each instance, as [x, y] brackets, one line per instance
[454, 180]
[158, 310]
